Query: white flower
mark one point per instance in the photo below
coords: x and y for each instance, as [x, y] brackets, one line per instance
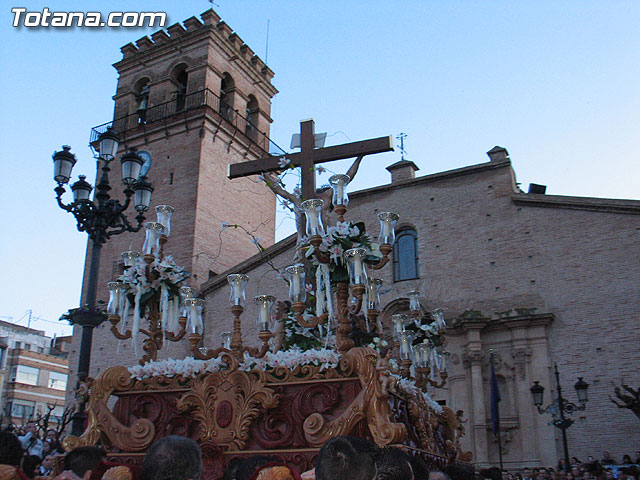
[283, 162]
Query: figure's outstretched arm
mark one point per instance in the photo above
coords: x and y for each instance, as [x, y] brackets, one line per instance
[354, 167]
[274, 185]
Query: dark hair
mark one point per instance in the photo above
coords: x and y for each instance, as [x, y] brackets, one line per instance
[492, 473]
[249, 465]
[458, 472]
[29, 464]
[231, 469]
[83, 459]
[419, 467]
[173, 458]
[10, 449]
[343, 458]
[393, 464]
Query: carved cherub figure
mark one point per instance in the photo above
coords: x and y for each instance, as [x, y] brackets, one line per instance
[387, 381]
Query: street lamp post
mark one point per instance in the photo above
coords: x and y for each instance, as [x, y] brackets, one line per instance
[102, 218]
[560, 408]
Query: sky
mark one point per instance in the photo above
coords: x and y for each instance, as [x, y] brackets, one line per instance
[556, 83]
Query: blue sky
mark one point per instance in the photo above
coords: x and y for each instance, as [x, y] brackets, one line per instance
[556, 83]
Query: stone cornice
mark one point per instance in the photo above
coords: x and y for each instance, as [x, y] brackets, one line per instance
[577, 203]
[433, 178]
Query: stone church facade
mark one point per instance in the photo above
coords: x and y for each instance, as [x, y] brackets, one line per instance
[544, 279]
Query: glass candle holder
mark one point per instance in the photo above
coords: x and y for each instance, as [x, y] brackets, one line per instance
[265, 305]
[164, 213]
[414, 301]
[226, 340]
[373, 293]
[153, 232]
[116, 297]
[194, 315]
[313, 211]
[238, 282]
[399, 321]
[129, 257]
[421, 353]
[355, 263]
[438, 317]
[185, 293]
[338, 184]
[297, 288]
[388, 222]
[442, 367]
[406, 346]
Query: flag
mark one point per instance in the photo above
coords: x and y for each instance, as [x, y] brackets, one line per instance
[495, 400]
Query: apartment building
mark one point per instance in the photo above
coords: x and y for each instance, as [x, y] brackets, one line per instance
[33, 373]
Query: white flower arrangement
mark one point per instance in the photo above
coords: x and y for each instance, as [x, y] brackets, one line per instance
[190, 367]
[409, 387]
[169, 275]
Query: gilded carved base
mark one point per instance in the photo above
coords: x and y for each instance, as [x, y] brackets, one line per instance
[283, 411]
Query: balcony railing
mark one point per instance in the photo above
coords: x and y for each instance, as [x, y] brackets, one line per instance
[181, 105]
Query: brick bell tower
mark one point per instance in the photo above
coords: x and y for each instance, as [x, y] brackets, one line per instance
[192, 100]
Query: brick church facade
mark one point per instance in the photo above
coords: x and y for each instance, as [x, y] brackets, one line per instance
[549, 279]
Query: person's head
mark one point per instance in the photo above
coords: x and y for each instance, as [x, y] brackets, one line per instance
[419, 467]
[82, 460]
[606, 455]
[526, 472]
[575, 470]
[30, 465]
[51, 436]
[48, 462]
[231, 469]
[570, 476]
[393, 464]
[459, 472]
[46, 448]
[10, 449]
[173, 458]
[626, 459]
[32, 427]
[346, 458]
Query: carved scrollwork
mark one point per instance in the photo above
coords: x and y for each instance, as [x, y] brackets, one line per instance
[101, 421]
[226, 403]
[300, 373]
[370, 404]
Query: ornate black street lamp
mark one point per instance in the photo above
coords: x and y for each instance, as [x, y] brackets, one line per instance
[561, 407]
[101, 218]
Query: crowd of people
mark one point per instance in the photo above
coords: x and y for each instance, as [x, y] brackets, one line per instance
[24, 455]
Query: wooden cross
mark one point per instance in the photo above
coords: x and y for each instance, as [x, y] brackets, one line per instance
[309, 156]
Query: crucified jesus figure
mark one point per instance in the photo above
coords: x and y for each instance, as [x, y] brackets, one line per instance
[276, 187]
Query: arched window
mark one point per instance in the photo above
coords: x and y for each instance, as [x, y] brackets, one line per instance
[227, 87]
[252, 118]
[180, 77]
[141, 91]
[405, 255]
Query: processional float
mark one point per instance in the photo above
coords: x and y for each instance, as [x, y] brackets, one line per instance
[305, 383]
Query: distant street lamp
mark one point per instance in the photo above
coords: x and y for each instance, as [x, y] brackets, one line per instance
[101, 218]
[561, 407]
